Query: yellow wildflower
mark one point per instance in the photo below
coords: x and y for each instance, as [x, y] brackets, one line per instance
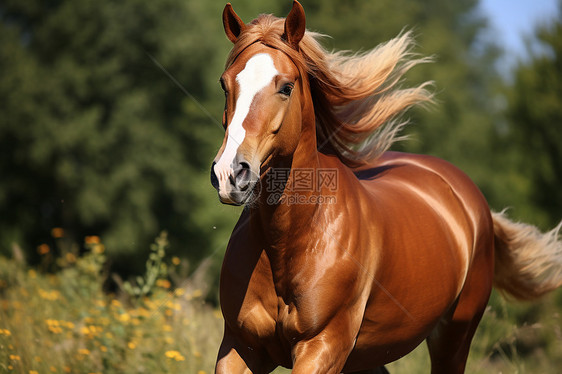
[176, 260]
[131, 345]
[57, 232]
[103, 348]
[164, 283]
[179, 291]
[172, 305]
[55, 329]
[174, 355]
[52, 369]
[53, 326]
[33, 372]
[151, 304]
[124, 317]
[15, 358]
[93, 239]
[142, 312]
[201, 372]
[5, 332]
[98, 249]
[43, 249]
[84, 351]
[49, 295]
[70, 257]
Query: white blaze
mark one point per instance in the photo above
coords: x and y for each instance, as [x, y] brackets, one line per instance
[257, 74]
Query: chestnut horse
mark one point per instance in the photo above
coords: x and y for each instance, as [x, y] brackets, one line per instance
[347, 256]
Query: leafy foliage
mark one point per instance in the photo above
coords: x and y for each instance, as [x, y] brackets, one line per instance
[535, 122]
[155, 269]
[97, 138]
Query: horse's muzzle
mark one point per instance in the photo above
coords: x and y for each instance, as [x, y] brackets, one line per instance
[238, 188]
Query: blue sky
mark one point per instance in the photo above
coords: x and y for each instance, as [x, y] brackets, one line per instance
[512, 20]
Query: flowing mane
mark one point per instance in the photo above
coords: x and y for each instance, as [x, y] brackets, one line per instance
[357, 98]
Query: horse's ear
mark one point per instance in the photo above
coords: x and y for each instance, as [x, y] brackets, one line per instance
[233, 25]
[295, 25]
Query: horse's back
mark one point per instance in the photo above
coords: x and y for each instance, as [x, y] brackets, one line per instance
[438, 182]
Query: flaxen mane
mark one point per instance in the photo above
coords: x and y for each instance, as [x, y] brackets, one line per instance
[357, 100]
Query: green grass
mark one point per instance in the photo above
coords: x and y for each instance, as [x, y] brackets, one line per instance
[63, 322]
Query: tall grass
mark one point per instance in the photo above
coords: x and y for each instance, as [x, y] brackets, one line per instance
[64, 322]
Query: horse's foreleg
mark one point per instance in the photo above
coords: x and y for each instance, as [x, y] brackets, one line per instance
[230, 361]
[317, 356]
[236, 358]
[328, 351]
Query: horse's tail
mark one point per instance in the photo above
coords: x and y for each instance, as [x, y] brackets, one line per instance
[528, 263]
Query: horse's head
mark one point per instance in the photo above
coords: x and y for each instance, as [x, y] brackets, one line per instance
[262, 115]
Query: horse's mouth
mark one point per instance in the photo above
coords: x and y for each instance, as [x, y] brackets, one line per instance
[238, 197]
[243, 189]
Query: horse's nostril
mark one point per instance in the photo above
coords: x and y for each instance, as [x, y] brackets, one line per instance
[243, 176]
[245, 166]
[214, 179]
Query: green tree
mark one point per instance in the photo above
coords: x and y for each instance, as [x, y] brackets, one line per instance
[535, 123]
[95, 137]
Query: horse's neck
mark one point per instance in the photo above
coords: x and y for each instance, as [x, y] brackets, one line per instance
[285, 225]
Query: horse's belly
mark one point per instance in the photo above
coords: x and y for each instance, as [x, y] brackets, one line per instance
[397, 319]
[379, 344]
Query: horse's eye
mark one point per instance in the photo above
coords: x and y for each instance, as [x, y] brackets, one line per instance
[287, 89]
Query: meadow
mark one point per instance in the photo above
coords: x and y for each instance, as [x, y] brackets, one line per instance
[56, 317]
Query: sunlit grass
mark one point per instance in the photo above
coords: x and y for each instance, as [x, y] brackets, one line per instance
[63, 322]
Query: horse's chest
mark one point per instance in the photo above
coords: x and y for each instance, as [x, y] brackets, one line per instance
[264, 326]
[261, 318]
